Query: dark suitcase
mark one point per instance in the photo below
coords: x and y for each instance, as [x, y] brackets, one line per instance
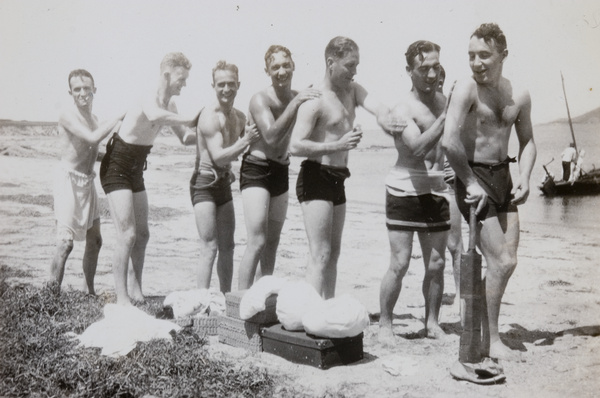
[302, 348]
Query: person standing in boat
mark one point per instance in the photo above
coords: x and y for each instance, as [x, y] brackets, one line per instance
[568, 156]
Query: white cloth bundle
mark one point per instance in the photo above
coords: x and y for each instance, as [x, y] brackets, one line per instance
[193, 302]
[254, 300]
[294, 300]
[342, 316]
[122, 327]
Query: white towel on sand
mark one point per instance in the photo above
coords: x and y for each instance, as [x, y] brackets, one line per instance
[122, 328]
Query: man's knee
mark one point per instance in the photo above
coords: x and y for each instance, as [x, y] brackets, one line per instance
[65, 246]
[322, 256]
[257, 242]
[142, 236]
[93, 240]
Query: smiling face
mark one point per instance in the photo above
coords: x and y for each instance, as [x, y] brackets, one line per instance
[342, 70]
[176, 79]
[425, 72]
[82, 90]
[485, 60]
[280, 69]
[226, 85]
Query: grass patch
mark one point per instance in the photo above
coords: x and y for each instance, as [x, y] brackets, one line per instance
[37, 358]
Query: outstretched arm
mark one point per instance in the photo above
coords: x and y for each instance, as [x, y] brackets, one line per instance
[185, 134]
[72, 123]
[166, 117]
[391, 124]
[275, 130]
[527, 152]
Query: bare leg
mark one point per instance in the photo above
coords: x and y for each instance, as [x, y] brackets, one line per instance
[225, 244]
[123, 216]
[206, 222]
[499, 239]
[138, 251]
[323, 223]
[277, 212]
[93, 243]
[57, 267]
[256, 212]
[433, 245]
[401, 243]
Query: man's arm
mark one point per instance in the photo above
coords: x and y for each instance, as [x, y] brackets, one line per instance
[186, 135]
[275, 130]
[463, 97]
[302, 145]
[211, 130]
[75, 126]
[527, 152]
[156, 114]
[387, 121]
[420, 143]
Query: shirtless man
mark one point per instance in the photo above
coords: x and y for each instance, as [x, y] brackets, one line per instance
[121, 172]
[416, 193]
[222, 136]
[75, 197]
[478, 125]
[324, 133]
[264, 173]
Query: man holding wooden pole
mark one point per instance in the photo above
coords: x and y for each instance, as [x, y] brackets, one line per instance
[478, 125]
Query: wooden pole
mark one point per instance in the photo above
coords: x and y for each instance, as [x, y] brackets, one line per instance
[568, 112]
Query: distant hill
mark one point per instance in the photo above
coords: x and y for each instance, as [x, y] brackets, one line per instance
[590, 117]
[8, 122]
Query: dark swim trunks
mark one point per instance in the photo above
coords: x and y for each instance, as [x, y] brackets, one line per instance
[422, 213]
[321, 182]
[123, 165]
[211, 184]
[264, 173]
[496, 181]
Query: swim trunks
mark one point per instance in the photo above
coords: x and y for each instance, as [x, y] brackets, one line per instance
[123, 166]
[317, 181]
[75, 203]
[496, 181]
[211, 184]
[416, 200]
[422, 213]
[264, 173]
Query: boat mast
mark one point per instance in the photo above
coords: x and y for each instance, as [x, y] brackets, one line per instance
[568, 112]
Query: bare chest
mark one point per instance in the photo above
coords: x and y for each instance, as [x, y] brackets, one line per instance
[498, 111]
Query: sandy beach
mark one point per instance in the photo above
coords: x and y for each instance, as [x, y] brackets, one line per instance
[550, 312]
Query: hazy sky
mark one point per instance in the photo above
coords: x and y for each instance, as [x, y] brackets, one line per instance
[122, 42]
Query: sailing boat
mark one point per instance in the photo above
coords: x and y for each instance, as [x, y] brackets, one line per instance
[587, 183]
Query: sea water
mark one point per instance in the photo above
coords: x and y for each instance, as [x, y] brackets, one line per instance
[371, 161]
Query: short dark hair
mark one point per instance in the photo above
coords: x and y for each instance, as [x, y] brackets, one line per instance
[491, 34]
[276, 48]
[339, 46]
[223, 65]
[80, 73]
[418, 48]
[175, 59]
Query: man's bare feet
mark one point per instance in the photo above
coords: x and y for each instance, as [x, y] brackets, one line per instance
[386, 337]
[500, 351]
[434, 332]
